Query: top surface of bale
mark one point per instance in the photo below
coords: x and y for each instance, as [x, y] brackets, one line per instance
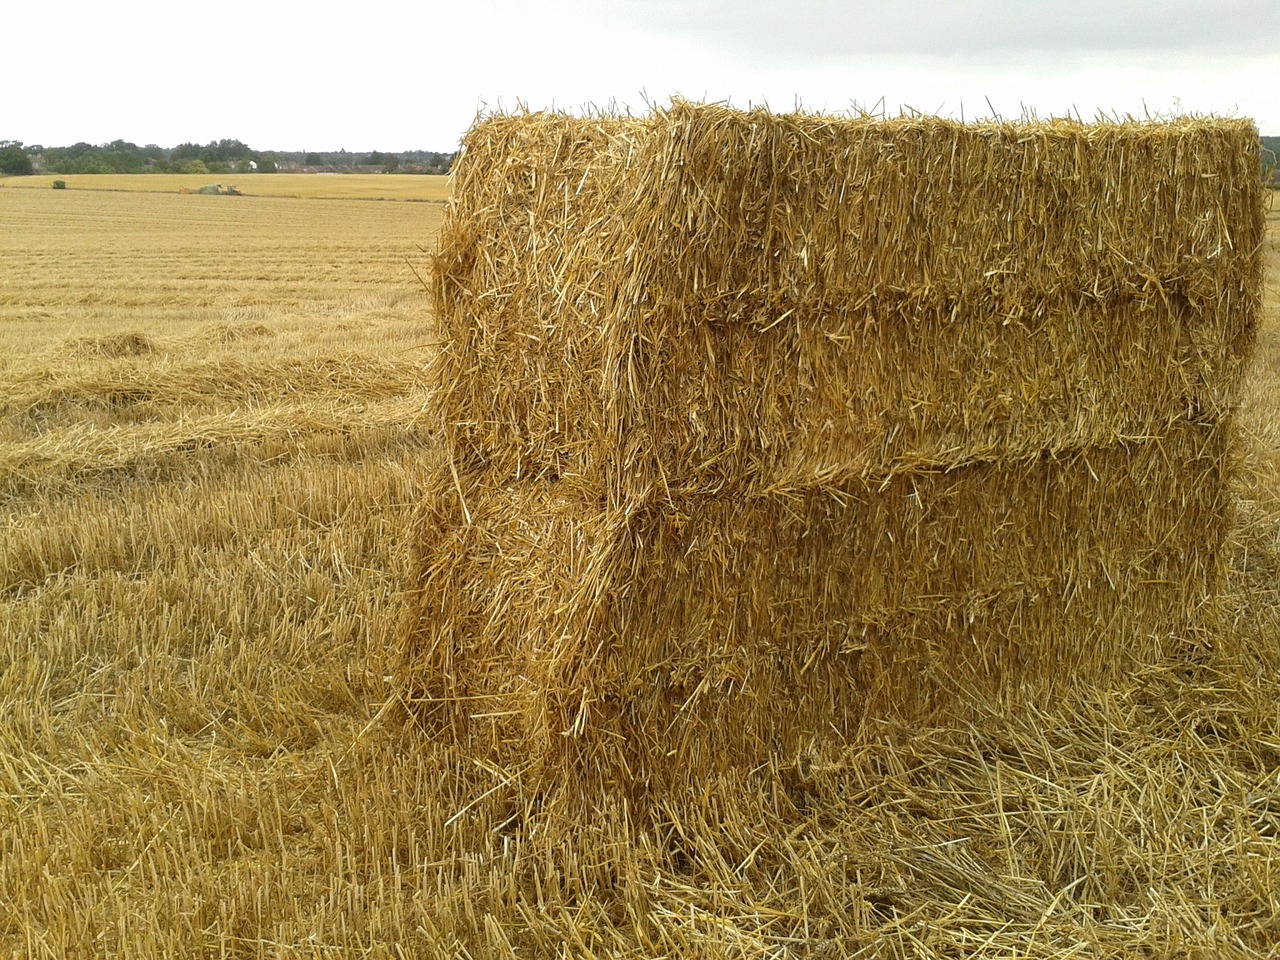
[705, 299]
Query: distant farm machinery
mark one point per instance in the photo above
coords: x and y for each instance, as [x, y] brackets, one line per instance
[215, 190]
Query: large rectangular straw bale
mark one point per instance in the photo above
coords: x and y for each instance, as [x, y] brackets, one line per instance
[587, 646]
[708, 300]
[758, 426]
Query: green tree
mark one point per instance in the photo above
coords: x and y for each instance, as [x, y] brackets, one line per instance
[86, 163]
[185, 151]
[389, 162]
[312, 160]
[195, 166]
[14, 161]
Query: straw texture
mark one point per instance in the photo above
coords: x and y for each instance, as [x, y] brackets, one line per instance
[707, 300]
[758, 426]
[648, 649]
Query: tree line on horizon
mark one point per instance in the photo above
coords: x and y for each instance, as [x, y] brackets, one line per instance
[217, 156]
[233, 156]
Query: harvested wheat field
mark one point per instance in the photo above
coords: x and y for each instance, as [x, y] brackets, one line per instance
[217, 427]
[347, 186]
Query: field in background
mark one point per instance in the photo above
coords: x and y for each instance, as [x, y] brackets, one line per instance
[350, 186]
[211, 433]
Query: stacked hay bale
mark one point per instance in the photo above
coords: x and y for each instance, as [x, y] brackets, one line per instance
[757, 426]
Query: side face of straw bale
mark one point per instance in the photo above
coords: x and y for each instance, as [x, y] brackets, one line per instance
[518, 290]
[588, 648]
[844, 298]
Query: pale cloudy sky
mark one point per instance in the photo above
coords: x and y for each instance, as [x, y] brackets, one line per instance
[398, 75]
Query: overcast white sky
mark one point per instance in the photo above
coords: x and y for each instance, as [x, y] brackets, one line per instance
[398, 75]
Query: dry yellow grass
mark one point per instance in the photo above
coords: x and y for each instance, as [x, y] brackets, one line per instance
[347, 186]
[210, 442]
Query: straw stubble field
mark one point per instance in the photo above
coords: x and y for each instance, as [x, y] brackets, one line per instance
[213, 432]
